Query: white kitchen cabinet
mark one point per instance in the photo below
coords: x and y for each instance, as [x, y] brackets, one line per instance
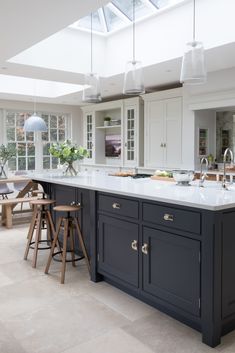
[133, 132]
[89, 136]
[163, 125]
[125, 132]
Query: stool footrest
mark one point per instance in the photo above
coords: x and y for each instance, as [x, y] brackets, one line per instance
[40, 242]
[68, 251]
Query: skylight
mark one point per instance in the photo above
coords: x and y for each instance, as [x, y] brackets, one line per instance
[39, 88]
[118, 13]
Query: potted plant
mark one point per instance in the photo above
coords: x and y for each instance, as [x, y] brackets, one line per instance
[68, 153]
[107, 121]
[6, 153]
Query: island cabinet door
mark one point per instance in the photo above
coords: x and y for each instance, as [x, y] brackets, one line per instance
[171, 269]
[118, 249]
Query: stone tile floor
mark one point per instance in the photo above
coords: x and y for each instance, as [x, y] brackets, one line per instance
[39, 315]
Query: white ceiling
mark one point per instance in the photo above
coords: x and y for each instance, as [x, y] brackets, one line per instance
[27, 22]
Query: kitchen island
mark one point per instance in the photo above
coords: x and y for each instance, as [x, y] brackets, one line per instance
[171, 246]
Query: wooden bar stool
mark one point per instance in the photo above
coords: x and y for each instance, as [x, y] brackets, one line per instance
[41, 217]
[69, 223]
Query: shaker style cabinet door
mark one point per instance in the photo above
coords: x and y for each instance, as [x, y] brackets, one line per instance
[163, 137]
[118, 249]
[171, 269]
[88, 121]
[154, 134]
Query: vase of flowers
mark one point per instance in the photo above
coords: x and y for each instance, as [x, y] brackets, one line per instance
[6, 153]
[68, 153]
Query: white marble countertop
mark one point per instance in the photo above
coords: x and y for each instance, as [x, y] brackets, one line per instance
[210, 197]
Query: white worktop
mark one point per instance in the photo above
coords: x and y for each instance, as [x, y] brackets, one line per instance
[211, 197]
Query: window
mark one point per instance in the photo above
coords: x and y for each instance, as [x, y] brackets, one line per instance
[31, 154]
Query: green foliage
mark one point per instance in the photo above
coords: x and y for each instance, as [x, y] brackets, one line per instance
[67, 153]
[6, 153]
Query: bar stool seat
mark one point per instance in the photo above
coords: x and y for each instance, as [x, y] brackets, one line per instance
[41, 220]
[69, 223]
[39, 193]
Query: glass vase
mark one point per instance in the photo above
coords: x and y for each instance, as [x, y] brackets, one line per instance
[70, 170]
[3, 174]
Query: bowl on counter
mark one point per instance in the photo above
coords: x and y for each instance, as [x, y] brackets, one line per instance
[183, 177]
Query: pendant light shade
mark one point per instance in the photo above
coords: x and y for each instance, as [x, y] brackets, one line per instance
[134, 77]
[35, 123]
[193, 70]
[91, 91]
[133, 80]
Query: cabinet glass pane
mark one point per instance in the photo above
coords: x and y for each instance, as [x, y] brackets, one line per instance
[89, 135]
[130, 143]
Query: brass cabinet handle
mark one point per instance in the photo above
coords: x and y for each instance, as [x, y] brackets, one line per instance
[116, 206]
[161, 145]
[168, 217]
[164, 144]
[134, 245]
[145, 249]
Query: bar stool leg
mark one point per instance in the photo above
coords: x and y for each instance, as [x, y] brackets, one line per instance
[53, 230]
[80, 238]
[32, 224]
[30, 234]
[55, 241]
[37, 239]
[66, 230]
[71, 234]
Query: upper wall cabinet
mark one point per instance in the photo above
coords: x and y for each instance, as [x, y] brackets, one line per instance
[163, 125]
[113, 133]
[133, 132]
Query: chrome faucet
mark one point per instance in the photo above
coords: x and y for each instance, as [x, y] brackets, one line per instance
[228, 150]
[203, 176]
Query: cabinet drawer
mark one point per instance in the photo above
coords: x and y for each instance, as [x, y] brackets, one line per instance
[118, 206]
[188, 221]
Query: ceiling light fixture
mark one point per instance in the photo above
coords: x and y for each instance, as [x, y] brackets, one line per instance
[34, 122]
[133, 79]
[92, 93]
[193, 70]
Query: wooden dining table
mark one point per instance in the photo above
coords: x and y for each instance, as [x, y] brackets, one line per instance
[9, 204]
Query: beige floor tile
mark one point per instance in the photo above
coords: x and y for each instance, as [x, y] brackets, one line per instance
[5, 280]
[115, 341]
[165, 335]
[130, 307]
[63, 324]
[8, 343]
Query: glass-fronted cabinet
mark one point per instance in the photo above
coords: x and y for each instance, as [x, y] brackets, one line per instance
[89, 135]
[133, 132]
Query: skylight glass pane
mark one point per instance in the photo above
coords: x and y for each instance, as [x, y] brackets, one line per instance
[85, 22]
[126, 6]
[164, 3]
[112, 20]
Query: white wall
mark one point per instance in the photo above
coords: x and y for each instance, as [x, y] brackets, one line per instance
[75, 111]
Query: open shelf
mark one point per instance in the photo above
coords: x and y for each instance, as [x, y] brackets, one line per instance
[108, 127]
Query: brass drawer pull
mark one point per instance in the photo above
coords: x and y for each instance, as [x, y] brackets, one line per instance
[116, 206]
[134, 245]
[145, 249]
[75, 203]
[168, 217]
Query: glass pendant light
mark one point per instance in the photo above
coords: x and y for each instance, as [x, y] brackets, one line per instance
[133, 80]
[193, 70]
[35, 123]
[91, 91]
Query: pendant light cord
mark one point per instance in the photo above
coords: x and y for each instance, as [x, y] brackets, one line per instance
[133, 21]
[91, 45]
[34, 100]
[194, 20]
